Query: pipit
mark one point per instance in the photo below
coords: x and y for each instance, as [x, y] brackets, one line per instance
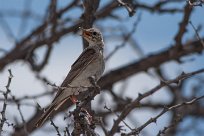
[90, 63]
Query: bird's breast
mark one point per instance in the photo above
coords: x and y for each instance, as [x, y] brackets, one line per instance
[95, 68]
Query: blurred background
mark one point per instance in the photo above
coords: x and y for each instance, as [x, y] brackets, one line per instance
[145, 42]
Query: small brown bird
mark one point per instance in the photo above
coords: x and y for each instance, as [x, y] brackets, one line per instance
[90, 63]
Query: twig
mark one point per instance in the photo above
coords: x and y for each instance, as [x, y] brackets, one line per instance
[68, 86]
[126, 38]
[55, 127]
[24, 18]
[105, 107]
[175, 122]
[20, 112]
[103, 128]
[182, 25]
[196, 31]
[66, 131]
[5, 101]
[129, 7]
[9, 124]
[6, 28]
[22, 118]
[26, 97]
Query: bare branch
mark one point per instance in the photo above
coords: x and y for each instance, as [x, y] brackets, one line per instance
[136, 102]
[55, 127]
[154, 119]
[183, 24]
[176, 121]
[196, 31]
[129, 7]
[3, 116]
[105, 107]
[22, 118]
[144, 64]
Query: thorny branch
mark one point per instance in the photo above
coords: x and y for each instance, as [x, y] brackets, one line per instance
[16, 102]
[201, 41]
[183, 24]
[166, 109]
[165, 129]
[22, 118]
[128, 6]
[136, 102]
[3, 115]
[105, 107]
[55, 127]
[66, 131]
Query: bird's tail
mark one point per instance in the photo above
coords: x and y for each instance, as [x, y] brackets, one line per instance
[53, 107]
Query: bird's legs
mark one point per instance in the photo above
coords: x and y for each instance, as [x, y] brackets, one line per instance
[73, 99]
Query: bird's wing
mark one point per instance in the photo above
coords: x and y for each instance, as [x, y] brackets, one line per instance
[87, 56]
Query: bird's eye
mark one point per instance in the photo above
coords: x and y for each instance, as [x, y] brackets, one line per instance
[94, 33]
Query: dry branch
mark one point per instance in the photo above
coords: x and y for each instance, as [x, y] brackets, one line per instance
[136, 102]
[154, 119]
[198, 36]
[3, 115]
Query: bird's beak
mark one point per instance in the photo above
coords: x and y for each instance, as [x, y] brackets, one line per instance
[84, 33]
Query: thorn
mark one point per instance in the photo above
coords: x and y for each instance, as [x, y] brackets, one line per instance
[154, 120]
[177, 82]
[183, 73]
[165, 107]
[162, 82]
[38, 106]
[105, 107]
[140, 95]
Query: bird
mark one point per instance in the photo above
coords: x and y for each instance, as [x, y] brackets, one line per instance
[89, 64]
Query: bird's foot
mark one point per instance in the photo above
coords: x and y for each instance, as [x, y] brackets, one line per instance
[73, 99]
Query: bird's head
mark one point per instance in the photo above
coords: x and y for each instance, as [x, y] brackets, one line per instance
[93, 36]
